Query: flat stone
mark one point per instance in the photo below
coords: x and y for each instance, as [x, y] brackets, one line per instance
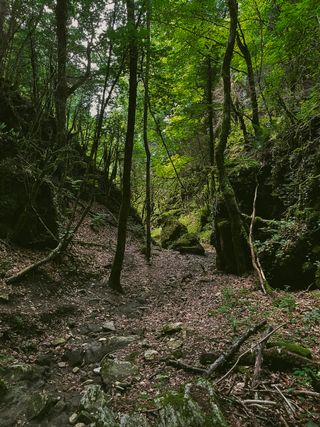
[109, 326]
[73, 418]
[150, 354]
[76, 369]
[113, 371]
[95, 351]
[74, 356]
[44, 359]
[90, 328]
[59, 341]
[172, 328]
[174, 344]
[62, 364]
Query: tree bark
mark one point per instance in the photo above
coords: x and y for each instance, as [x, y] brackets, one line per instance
[61, 95]
[145, 135]
[115, 275]
[3, 36]
[210, 126]
[239, 241]
[252, 85]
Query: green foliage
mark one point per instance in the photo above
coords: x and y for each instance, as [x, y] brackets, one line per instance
[312, 317]
[98, 220]
[285, 302]
[304, 375]
[229, 301]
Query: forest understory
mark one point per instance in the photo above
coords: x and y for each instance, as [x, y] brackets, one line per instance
[159, 213]
[60, 324]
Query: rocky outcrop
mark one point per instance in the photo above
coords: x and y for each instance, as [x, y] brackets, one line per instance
[28, 213]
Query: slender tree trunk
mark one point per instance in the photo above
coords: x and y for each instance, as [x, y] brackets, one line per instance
[210, 125]
[3, 36]
[237, 231]
[145, 135]
[114, 280]
[34, 68]
[61, 95]
[252, 85]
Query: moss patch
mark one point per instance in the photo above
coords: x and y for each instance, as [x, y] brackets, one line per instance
[293, 347]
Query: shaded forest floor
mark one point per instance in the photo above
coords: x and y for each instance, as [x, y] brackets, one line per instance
[66, 309]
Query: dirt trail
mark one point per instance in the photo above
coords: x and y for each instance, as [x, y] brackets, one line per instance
[66, 309]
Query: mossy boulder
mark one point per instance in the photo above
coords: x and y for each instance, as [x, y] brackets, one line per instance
[171, 232]
[113, 371]
[188, 244]
[195, 405]
[39, 404]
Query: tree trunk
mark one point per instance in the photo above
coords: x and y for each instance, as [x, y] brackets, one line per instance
[252, 85]
[145, 136]
[239, 241]
[3, 36]
[210, 126]
[61, 91]
[114, 280]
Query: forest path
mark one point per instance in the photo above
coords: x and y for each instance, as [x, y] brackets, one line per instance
[64, 320]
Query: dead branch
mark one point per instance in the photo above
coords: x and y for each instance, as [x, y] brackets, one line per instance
[259, 360]
[185, 367]
[249, 351]
[254, 257]
[225, 357]
[288, 405]
[63, 244]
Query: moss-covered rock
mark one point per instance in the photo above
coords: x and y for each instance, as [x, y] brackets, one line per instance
[171, 232]
[133, 420]
[287, 254]
[39, 405]
[196, 405]
[188, 244]
[94, 403]
[113, 370]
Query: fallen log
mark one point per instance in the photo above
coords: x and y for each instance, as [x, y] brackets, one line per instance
[275, 358]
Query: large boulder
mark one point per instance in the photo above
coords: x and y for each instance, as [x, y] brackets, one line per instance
[172, 230]
[188, 243]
